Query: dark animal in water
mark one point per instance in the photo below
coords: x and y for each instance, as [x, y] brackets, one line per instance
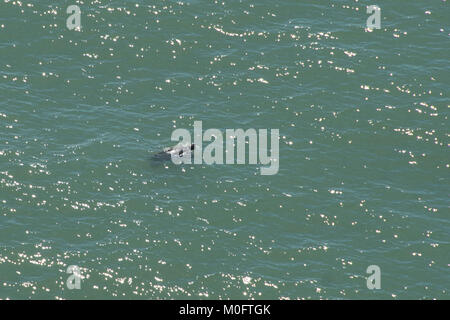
[177, 151]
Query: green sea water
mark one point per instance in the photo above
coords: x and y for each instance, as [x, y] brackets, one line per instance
[364, 150]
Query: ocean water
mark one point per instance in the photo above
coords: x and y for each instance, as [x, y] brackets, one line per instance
[364, 150]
